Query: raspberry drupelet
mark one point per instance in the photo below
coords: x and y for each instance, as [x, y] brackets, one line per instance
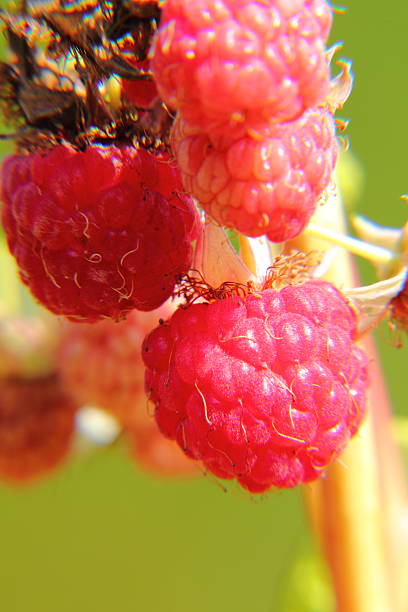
[141, 92]
[238, 62]
[268, 183]
[100, 232]
[266, 388]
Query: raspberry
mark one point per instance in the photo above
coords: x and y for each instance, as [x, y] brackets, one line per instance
[269, 184]
[102, 365]
[36, 427]
[238, 62]
[267, 388]
[100, 232]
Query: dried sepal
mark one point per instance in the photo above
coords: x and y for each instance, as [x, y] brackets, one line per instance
[342, 84]
[373, 301]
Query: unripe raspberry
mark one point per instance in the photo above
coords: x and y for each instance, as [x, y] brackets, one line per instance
[101, 364]
[238, 62]
[100, 232]
[268, 184]
[267, 389]
[36, 427]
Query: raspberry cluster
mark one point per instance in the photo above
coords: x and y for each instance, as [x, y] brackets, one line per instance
[263, 383]
[258, 153]
[267, 388]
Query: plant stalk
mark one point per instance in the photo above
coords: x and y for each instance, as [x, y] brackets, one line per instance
[347, 506]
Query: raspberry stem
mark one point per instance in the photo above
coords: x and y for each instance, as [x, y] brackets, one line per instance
[348, 506]
[256, 253]
[369, 251]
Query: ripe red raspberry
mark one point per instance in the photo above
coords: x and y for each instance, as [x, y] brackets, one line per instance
[36, 427]
[267, 389]
[269, 184]
[100, 232]
[241, 61]
[102, 365]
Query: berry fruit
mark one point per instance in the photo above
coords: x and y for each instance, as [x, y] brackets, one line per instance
[267, 388]
[36, 427]
[260, 184]
[100, 232]
[102, 365]
[265, 60]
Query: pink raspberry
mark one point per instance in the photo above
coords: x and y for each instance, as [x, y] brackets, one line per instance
[36, 427]
[260, 184]
[241, 61]
[102, 364]
[100, 232]
[267, 389]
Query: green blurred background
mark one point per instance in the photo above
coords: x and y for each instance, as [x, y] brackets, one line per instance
[102, 536]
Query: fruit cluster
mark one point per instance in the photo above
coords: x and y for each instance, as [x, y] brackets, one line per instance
[261, 382]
